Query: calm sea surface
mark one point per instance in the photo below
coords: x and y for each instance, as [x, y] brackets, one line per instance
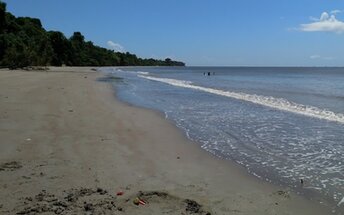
[282, 124]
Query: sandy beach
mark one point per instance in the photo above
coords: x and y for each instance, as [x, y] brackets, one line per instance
[68, 146]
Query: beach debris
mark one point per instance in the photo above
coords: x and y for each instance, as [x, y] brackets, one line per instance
[28, 139]
[85, 77]
[178, 157]
[138, 201]
[119, 193]
[141, 202]
[301, 181]
[71, 110]
[10, 166]
[185, 206]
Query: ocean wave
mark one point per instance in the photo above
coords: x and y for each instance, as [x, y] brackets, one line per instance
[268, 101]
[143, 73]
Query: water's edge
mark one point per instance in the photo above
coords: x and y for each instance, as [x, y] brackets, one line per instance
[306, 193]
[149, 94]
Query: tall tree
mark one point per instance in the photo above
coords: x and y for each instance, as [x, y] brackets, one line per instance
[24, 42]
[2, 16]
[61, 48]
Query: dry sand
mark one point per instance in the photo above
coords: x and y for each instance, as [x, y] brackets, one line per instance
[67, 146]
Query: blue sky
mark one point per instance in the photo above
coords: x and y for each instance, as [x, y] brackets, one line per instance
[204, 32]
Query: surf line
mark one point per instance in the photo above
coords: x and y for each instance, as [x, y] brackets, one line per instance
[276, 103]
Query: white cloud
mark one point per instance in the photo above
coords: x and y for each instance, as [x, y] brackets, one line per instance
[335, 11]
[312, 18]
[326, 22]
[314, 57]
[115, 46]
[328, 58]
[324, 17]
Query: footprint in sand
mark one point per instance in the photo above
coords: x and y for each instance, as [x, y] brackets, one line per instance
[157, 202]
[99, 201]
[10, 166]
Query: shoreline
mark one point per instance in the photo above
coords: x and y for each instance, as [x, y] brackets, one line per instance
[305, 190]
[77, 133]
[298, 190]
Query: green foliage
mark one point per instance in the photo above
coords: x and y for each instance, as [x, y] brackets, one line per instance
[2, 15]
[16, 54]
[24, 42]
[61, 48]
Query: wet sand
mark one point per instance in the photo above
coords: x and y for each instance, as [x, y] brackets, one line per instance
[68, 146]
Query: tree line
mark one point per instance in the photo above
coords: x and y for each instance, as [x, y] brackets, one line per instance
[24, 42]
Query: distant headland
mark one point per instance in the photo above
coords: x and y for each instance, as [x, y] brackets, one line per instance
[24, 42]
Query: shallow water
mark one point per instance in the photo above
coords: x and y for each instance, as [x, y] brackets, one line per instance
[282, 124]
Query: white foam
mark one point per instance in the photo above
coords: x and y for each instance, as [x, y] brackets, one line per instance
[143, 73]
[268, 101]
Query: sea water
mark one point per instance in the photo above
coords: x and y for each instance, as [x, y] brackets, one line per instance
[282, 124]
